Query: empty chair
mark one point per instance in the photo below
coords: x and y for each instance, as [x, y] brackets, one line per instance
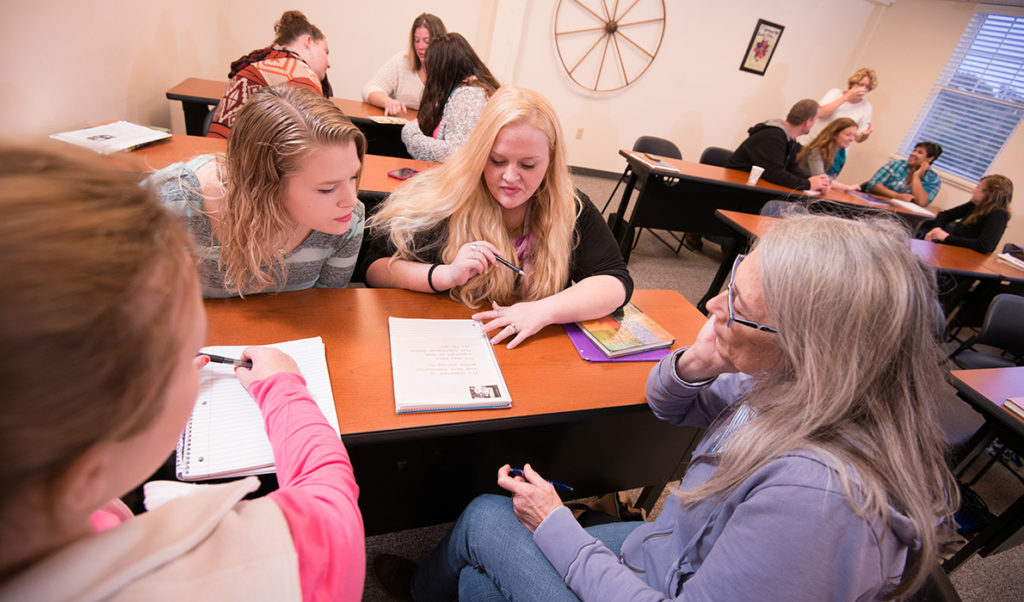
[1003, 330]
[715, 155]
[646, 144]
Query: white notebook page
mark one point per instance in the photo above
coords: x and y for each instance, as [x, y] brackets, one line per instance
[226, 436]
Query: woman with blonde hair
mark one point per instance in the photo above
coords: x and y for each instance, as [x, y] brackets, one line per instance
[851, 103]
[826, 154]
[458, 86]
[297, 57]
[278, 211]
[821, 475]
[101, 323]
[398, 85]
[980, 222]
[506, 193]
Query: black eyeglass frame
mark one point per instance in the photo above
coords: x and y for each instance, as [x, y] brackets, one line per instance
[732, 312]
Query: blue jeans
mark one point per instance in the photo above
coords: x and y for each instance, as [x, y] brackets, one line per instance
[489, 555]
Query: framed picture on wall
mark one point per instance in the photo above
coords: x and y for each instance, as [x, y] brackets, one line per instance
[762, 47]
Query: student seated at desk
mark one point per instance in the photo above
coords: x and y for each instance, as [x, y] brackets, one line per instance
[278, 211]
[101, 325]
[826, 154]
[458, 86]
[506, 193]
[821, 475]
[298, 57]
[911, 180]
[980, 222]
[772, 145]
[398, 85]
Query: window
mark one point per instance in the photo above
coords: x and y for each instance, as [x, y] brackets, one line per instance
[978, 101]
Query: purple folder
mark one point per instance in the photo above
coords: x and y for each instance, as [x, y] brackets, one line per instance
[589, 350]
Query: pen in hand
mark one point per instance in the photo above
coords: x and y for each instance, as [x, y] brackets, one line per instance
[519, 473]
[220, 359]
[508, 264]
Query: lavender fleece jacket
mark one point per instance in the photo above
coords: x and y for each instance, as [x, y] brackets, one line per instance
[787, 533]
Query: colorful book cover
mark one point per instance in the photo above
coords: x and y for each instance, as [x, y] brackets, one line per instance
[628, 330]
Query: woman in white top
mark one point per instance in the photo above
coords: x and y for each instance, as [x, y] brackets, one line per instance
[851, 103]
[398, 85]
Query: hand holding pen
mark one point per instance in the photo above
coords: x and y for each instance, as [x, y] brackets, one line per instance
[533, 497]
[472, 258]
[258, 363]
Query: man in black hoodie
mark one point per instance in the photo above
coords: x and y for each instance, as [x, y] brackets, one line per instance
[772, 145]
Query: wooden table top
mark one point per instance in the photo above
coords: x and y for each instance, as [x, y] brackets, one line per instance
[180, 147]
[994, 385]
[210, 91]
[545, 374]
[939, 256]
[739, 178]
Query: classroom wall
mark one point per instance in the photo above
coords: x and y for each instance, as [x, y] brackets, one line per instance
[91, 62]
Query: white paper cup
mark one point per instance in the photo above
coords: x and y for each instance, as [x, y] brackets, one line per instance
[755, 174]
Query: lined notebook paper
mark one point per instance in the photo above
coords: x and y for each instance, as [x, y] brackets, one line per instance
[444, 365]
[225, 437]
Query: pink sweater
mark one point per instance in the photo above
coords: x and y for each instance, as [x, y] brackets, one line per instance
[318, 492]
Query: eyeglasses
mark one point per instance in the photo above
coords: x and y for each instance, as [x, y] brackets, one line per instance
[732, 312]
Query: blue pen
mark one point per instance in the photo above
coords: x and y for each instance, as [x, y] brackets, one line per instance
[519, 473]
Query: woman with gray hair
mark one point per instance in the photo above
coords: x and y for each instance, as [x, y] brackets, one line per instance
[821, 475]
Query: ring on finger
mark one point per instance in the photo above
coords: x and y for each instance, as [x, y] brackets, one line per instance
[515, 328]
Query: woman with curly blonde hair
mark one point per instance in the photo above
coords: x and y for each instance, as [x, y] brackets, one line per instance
[506, 193]
[278, 211]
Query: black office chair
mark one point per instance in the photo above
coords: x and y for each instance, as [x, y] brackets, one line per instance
[646, 144]
[1003, 330]
[208, 119]
[715, 155]
[655, 146]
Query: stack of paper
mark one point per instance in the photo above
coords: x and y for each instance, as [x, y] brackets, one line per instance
[112, 137]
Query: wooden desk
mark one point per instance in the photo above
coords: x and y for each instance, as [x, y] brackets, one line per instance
[580, 423]
[947, 258]
[682, 196]
[986, 390]
[199, 96]
[177, 148]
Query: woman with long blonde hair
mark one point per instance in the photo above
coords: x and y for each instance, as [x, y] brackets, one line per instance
[821, 475]
[278, 211]
[980, 222]
[398, 85]
[826, 154]
[506, 193]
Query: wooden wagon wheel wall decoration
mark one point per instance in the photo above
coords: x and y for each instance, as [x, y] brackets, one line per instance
[606, 45]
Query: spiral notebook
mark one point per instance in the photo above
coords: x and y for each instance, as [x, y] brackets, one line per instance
[225, 436]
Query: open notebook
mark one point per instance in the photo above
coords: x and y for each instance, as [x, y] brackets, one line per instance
[444, 365]
[225, 436]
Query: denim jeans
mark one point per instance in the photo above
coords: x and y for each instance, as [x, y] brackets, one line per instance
[489, 555]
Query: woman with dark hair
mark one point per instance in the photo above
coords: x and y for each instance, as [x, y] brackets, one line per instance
[398, 85]
[297, 57]
[458, 86]
[980, 222]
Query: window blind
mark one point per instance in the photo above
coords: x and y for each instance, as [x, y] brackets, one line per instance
[978, 101]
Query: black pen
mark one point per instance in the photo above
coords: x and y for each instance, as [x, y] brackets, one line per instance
[519, 473]
[506, 263]
[220, 359]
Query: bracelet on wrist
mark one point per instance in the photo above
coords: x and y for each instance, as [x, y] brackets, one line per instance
[430, 278]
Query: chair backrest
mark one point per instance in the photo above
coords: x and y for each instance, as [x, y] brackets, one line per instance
[715, 155]
[1004, 324]
[208, 119]
[657, 146]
